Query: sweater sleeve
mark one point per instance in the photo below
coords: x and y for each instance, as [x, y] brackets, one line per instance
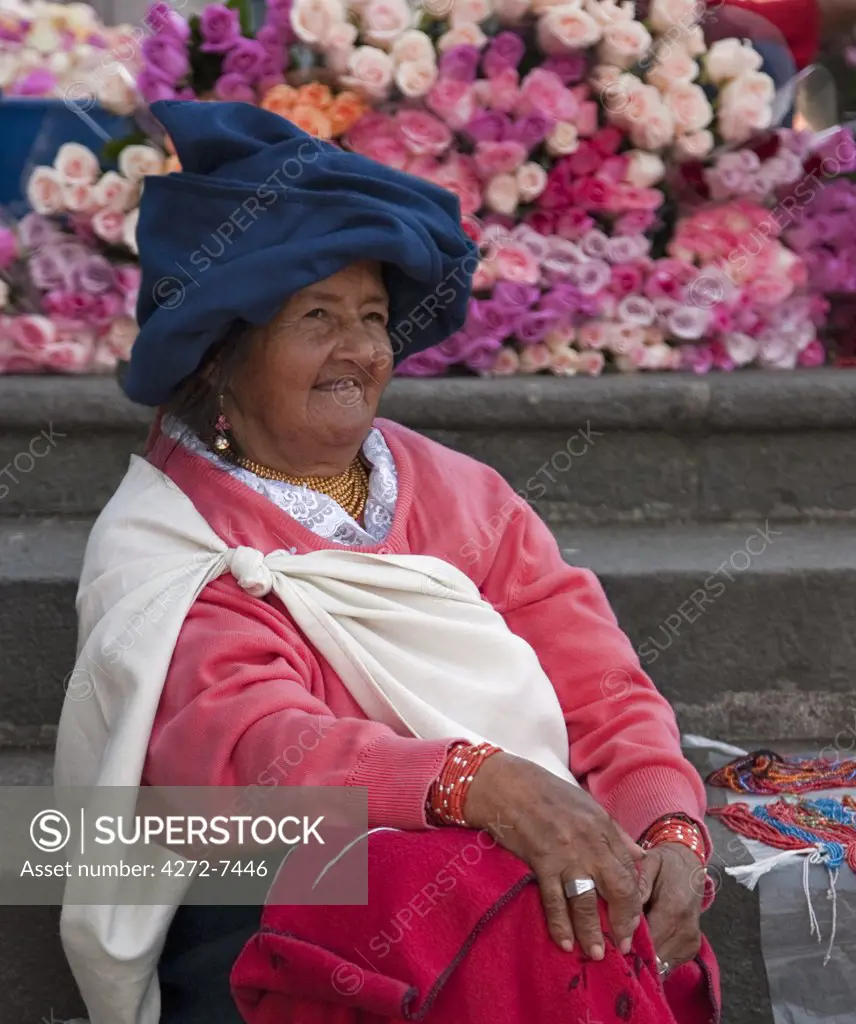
[624, 740]
[238, 710]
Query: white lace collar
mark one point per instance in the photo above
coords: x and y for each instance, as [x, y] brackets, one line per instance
[317, 512]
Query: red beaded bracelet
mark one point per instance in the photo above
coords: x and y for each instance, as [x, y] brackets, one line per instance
[676, 828]
[448, 792]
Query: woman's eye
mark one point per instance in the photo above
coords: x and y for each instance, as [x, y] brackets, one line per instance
[378, 318]
[317, 314]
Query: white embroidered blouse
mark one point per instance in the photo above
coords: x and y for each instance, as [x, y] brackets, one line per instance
[317, 512]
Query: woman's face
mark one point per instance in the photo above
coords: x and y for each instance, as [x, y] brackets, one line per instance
[307, 392]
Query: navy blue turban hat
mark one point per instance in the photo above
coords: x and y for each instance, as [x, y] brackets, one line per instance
[261, 210]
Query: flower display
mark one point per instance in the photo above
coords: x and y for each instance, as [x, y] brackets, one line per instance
[66, 51]
[315, 108]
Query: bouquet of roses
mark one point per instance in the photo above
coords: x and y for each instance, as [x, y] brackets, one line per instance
[65, 51]
[64, 306]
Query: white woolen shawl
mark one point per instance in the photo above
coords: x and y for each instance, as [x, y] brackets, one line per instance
[409, 636]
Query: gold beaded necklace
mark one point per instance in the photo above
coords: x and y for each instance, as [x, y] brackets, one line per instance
[349, 489]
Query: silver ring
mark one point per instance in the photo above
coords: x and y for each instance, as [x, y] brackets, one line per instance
[663, 967]
[579, 887]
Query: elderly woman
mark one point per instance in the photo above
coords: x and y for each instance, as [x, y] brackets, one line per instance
[284, 565]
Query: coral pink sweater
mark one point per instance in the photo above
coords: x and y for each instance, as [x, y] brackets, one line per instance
[248, 702]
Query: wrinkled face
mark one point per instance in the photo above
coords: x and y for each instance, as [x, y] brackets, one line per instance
[309, 387]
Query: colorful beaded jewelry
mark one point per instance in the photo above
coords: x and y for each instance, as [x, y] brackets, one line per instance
[765, 772]
[676, 828]
[448, 793]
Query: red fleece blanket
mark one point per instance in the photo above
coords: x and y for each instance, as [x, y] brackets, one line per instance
[454, 933]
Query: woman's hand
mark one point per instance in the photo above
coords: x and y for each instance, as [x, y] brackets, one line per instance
[562, 834]
[673, 880]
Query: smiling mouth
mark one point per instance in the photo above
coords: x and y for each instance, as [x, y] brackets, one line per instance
[339, 384]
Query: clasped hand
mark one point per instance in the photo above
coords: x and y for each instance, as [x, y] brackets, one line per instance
[563, 835]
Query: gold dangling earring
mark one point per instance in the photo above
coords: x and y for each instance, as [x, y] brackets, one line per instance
[221, 439]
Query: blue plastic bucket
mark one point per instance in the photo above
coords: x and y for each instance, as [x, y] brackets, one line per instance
[32, 130]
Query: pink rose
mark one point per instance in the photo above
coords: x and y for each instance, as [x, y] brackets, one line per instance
[542, 92]
[534, 359]
[464, 12]
[422, 133]
[770, 291]
[113, 191]
[426, 167]
[592, 335]
[388, 150]
[516, 262]
[573, 223]
[370, 72]
[635, 222]
[453, 101]
[75, 164]
[624, 43]
[531, 181]
[105, 308]
[499, 157]
[384, 21]
[71, 355]
[128, 279]
[567, 28]
[507, 363]
[415, 78]
[813, 354]
[44, 191]
[109, 225]
[587, 117]
[628, 101]
[511, 12]
[458, 176]
[314, 20]
[592, 194]
[413, 45]
[501, 92]
[484, 277]
[502, 194]
[32, 334]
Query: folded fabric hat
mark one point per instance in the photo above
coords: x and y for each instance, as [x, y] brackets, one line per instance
[261, 210]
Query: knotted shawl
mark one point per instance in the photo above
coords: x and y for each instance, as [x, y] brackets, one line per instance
[409, 635]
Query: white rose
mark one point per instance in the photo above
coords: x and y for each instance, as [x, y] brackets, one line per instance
[624, 43]
[135, 162]
[412, 45]
[644, 169]
[603, 75]
[313, 20]
[567, 28]
[502, 194]
[754, 84]
[674, 65]
[606, 11]
[117, 94]
[531, 181]
[694, 41]
[465, 11]
[4, 294]
[654, 132]
[462, 35]
[109, 225]
[43, 37]
[114, 191]
[76, 164]
[44, 191]
[77, 198]
[414, 78]
[510, 12]
[664, 14]
[742, 119]
[694, 146]
[563, 139]
[728, 58]
[689, 106]
[540, 6]
[384, 21]
[370, 72]
[129, 233]
[80, 17]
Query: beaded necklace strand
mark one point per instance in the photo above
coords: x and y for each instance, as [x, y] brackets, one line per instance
[767, 773]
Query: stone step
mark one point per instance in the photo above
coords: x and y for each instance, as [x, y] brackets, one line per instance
[620, 448]
[35, 983]
[747, 628]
